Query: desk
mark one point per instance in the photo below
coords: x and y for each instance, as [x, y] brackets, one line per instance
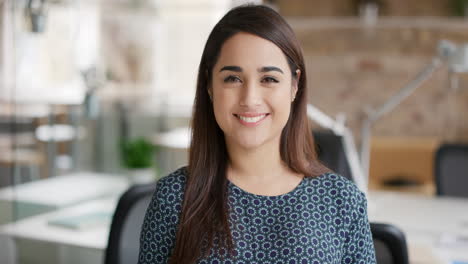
[175, 143]
[178, 138]
[430, 224]
[58, 192]
[37, 228]
[37, 241]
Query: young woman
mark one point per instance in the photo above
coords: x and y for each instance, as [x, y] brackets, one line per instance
[254, 191]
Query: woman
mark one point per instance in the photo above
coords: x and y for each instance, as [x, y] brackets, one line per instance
[254, 191]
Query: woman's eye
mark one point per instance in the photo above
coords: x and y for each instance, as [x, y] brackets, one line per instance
[231, 79]
[269, 80]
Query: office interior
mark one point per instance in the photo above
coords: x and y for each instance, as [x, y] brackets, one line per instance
[96, 98]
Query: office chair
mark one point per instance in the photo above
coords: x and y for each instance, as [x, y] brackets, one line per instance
[390, 244]
[124, 236]
[331, 152]
[451, 170]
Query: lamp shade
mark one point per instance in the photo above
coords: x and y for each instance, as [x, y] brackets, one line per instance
[459, 60]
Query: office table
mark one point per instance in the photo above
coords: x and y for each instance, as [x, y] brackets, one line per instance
[436, 226]
[36, 240]
[61, 244]
[50, 194]
[38, 228]
[175, 144]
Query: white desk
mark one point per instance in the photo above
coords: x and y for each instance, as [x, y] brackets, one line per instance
[175, 144]
[58, 192]
[178, 138]
[428, 222]
[37, 241]
[37, 228]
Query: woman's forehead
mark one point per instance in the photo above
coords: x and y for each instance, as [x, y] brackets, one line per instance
[250, 52]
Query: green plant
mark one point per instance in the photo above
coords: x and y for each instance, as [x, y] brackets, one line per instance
[137, 153]
[460, 7]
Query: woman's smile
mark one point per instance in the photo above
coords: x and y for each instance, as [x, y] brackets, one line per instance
[251, 120]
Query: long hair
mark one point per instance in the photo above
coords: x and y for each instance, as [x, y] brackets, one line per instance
[204, 209]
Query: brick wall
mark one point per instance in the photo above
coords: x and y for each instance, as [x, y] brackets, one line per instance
[350, 67]
[349, 7]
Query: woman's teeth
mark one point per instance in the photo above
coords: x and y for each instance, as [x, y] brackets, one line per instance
[251, 119]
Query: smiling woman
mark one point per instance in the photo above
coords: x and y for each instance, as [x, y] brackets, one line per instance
[254, 191]
[250, 90]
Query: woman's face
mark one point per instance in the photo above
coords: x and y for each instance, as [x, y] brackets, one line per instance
[252, 90]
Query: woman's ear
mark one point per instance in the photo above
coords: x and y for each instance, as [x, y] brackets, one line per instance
[210, 93]
[295, 85]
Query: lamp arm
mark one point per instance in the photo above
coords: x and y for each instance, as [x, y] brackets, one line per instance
[352, 157]
[407, 90]
[350, 149]
[388, 106]
[322, 119]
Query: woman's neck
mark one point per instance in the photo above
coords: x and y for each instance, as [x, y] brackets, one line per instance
[262, 164]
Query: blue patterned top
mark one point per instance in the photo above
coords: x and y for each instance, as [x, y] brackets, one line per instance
[323, 220]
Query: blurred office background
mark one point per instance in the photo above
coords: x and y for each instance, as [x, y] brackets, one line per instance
[96, 96]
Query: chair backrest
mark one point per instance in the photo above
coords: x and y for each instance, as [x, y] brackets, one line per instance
[330, 150]
[451, 170]
[124, 237]
[390, 244]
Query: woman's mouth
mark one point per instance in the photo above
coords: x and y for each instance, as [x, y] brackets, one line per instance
[251, 120]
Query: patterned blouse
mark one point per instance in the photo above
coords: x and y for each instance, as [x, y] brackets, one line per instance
[323, 220]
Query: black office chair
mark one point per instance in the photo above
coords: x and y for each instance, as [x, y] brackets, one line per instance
[330, 150]
[451, 170]
[124, 237]
[390, 244]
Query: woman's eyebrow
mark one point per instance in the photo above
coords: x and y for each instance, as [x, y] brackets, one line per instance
[231, 68]
[270, 68]
[262, 69]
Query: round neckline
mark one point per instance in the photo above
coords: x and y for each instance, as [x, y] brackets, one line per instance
[292, 192]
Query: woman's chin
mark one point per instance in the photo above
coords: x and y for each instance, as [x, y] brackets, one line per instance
[249, 144]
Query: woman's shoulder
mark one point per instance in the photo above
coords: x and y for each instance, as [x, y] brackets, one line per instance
[336, 185]
[170, 188]
[340, 191]
[177, 177]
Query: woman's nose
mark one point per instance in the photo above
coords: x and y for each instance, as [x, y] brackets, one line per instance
[250, 94]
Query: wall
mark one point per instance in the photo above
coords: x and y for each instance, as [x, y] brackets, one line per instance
[349, 7]
[351, 66]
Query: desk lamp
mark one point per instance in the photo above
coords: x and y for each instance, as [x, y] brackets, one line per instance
[456, 56]
[447, 52]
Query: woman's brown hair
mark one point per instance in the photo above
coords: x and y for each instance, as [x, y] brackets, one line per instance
[204, 216]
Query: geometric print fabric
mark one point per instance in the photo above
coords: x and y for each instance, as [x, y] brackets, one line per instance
[322, 220]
